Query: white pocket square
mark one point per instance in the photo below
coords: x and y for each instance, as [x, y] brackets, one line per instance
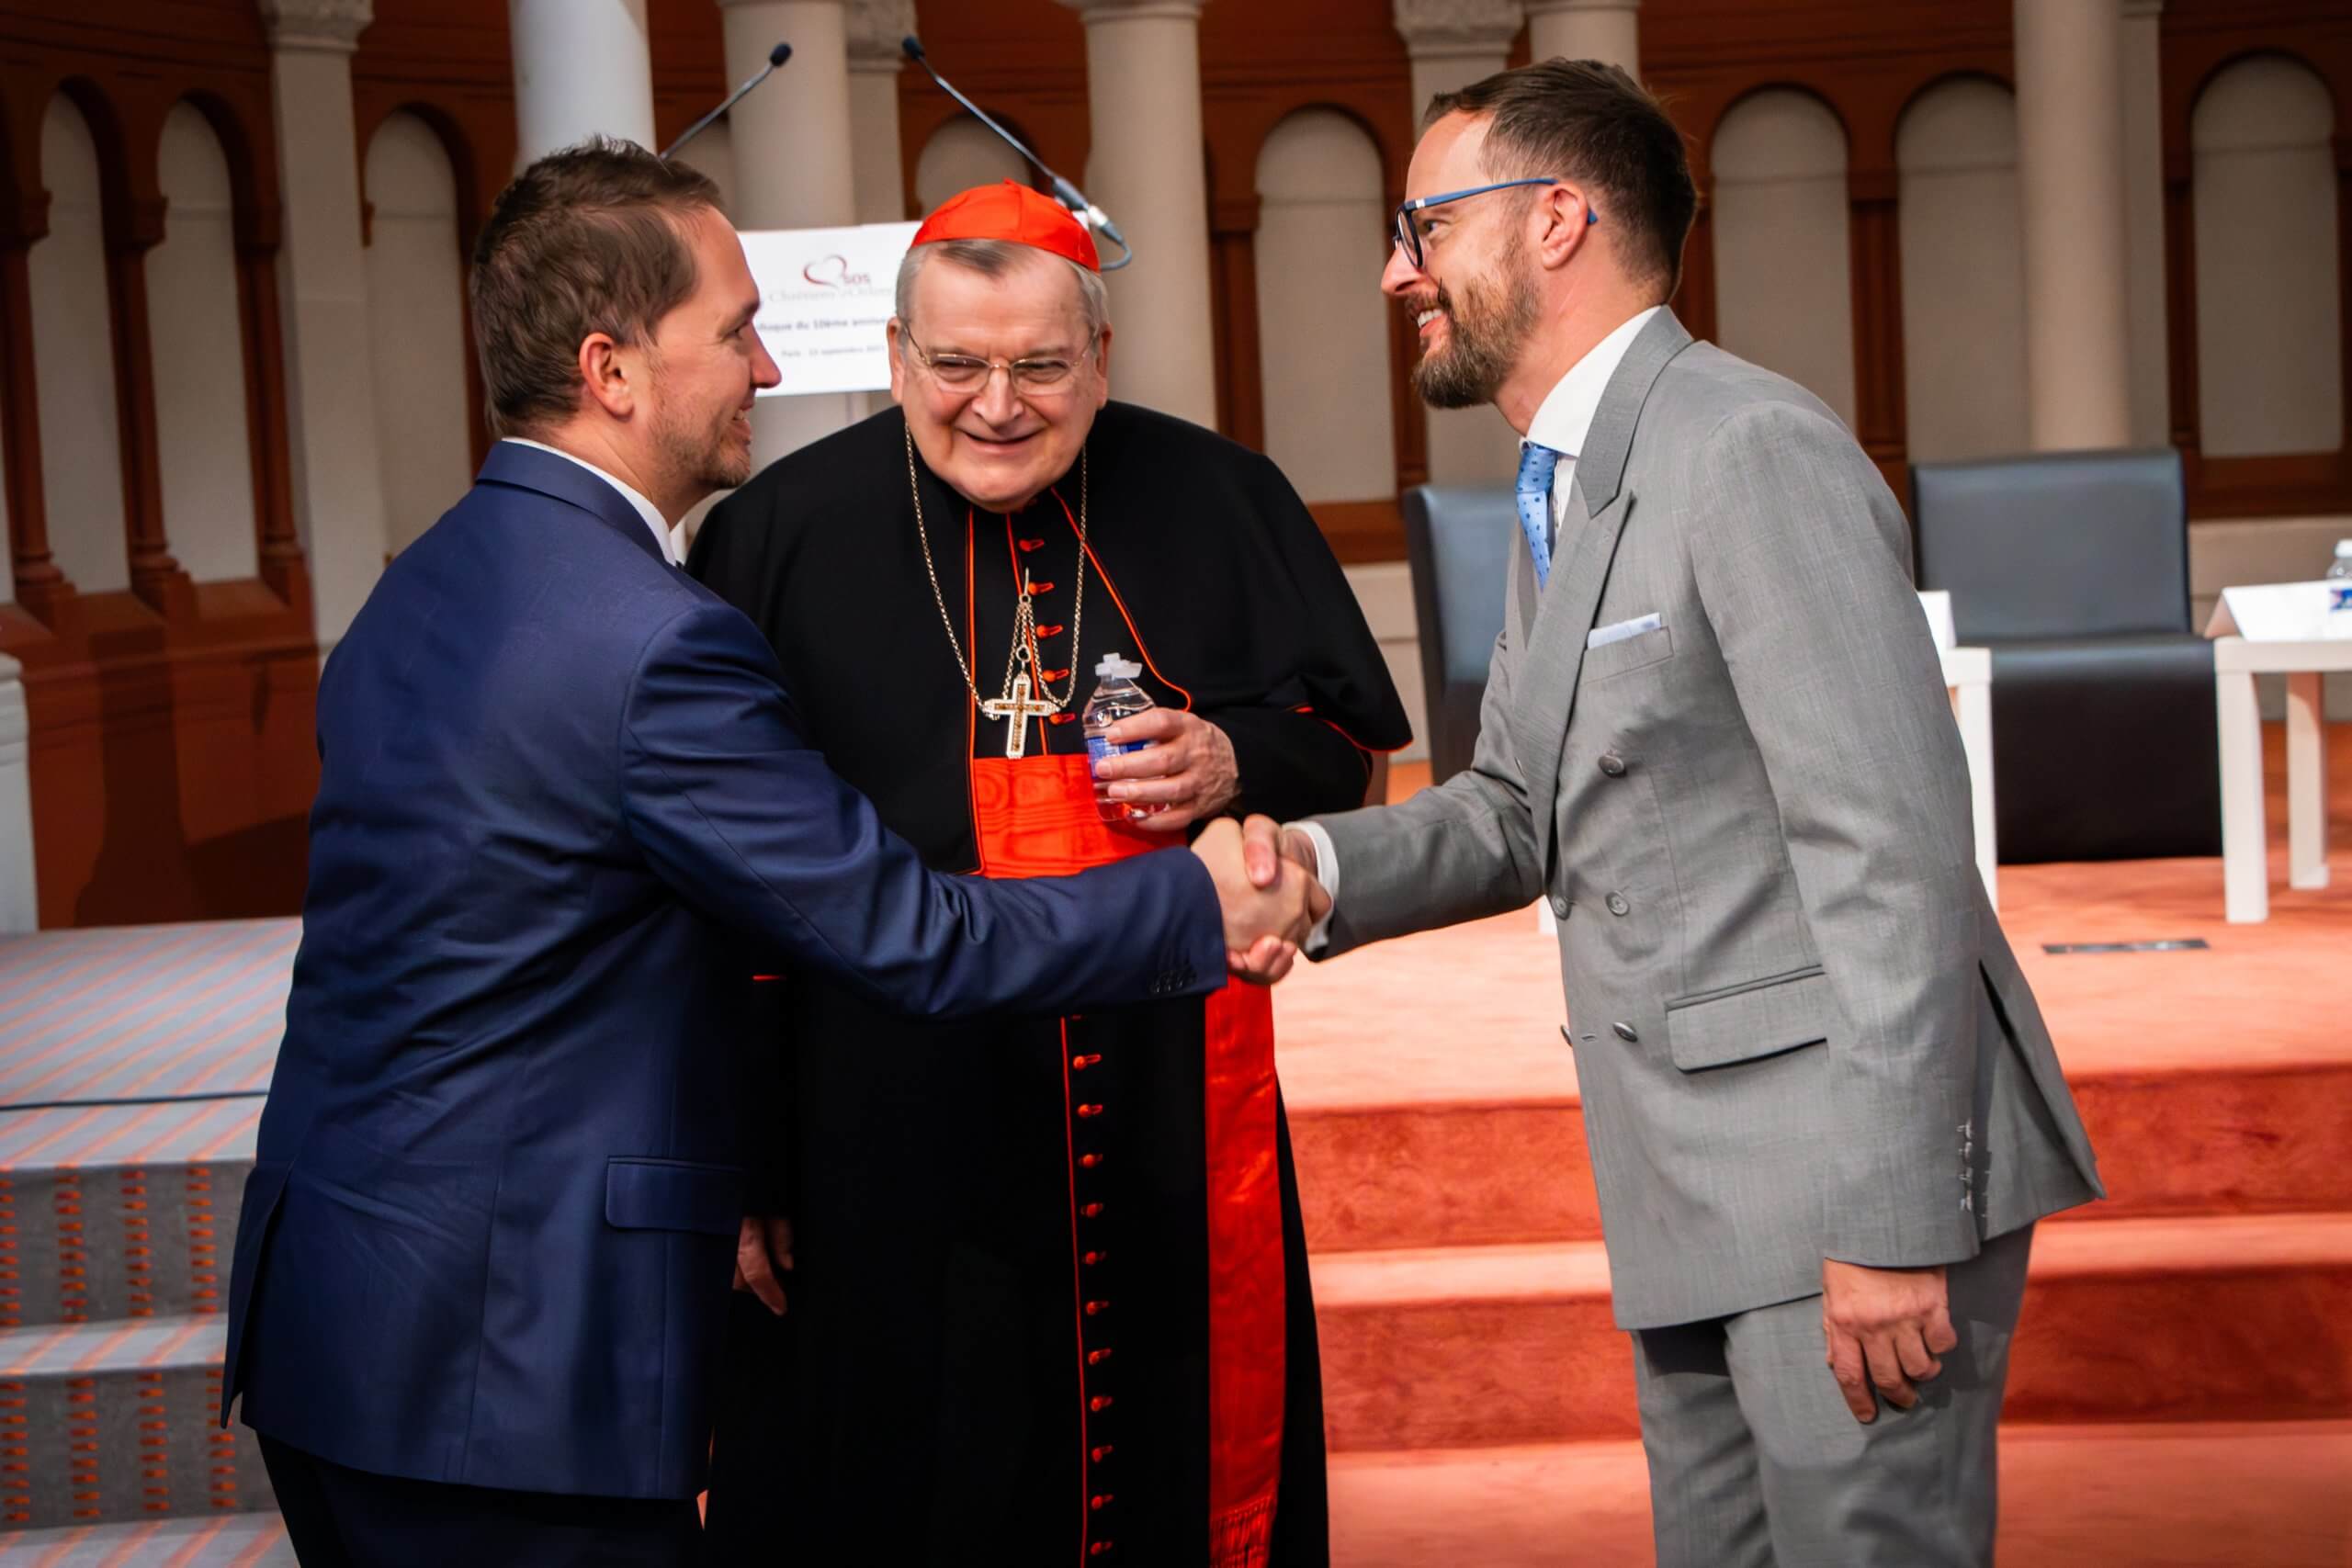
[1602, 637]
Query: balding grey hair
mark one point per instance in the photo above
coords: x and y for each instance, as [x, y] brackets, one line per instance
[995, 258]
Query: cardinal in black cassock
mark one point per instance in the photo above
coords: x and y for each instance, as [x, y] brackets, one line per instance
[1050, 1299]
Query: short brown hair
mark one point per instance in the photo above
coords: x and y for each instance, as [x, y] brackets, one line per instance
[587, 240]
[1583, 120]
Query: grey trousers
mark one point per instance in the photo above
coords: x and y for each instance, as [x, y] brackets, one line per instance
[1756, 1462]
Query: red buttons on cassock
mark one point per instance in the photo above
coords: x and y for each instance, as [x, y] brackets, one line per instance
[1096, 1358]
[1090, 1161]
[1054, 630]
[1100, 1401]
[1041, 588]
[1090, 1110]
[1098, 1549]
[1027, 545]
[1062, 718]
[1091, 1210]
[1099, 1455]
[1080, 1064]
[1101, 1502]
[1094, 1307]
[1096, 1257]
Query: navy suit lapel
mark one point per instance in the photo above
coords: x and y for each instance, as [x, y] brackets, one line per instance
[526, 468]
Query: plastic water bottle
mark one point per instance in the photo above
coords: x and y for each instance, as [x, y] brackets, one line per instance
[1117, 696]
[2339, 591]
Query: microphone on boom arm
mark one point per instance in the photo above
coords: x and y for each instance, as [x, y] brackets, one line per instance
[1068, 194]
[776, 56]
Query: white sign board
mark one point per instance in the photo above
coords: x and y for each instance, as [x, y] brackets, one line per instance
[2272, 612]
[825, 296]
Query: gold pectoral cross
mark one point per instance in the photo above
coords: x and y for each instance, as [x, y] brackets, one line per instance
[1019, 708]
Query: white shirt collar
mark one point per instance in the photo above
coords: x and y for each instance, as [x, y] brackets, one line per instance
[1565, 418]
[663, 535]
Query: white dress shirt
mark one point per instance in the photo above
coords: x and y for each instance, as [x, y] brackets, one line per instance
[1562, 421]
[669, 538]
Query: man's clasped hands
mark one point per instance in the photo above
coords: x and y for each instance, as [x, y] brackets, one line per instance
[1270, 902]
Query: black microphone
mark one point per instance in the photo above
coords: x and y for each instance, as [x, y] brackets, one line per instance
[776, 57]
[1068, 194]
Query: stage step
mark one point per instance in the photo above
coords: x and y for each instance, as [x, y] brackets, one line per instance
[120, 1421]
[87, 1244]
[2222, 1318]
[2266, 1496]
[2213, 1137]
[225, 1540]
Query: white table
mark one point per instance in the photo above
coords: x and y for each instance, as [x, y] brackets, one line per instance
[1968, 681]
[2246, 876]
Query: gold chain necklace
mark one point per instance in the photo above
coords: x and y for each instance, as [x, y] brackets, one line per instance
[1018, 701]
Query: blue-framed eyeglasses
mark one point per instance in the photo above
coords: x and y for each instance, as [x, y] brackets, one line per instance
[1407, 234]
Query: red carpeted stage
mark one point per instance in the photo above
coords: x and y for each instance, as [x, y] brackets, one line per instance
[2183, 1385]
[2182, 1390]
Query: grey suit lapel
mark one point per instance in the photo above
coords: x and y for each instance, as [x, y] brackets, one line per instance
[1598, 504]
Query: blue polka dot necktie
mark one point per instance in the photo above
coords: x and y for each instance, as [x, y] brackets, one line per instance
[1536, 462]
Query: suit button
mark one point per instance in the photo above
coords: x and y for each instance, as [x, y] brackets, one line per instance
[1617, 905]
[1613, 764]
[1560, 905]
[1626, 1032]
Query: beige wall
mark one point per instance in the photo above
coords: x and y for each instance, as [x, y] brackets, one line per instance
[81, 452]
[1384, 589]
[204, 461]
[2146, 306]
[1783, 275]
[1322, 322]
[960, 155]
[1963, 273]
[416, 328]
[713, 153]
[2268, 336]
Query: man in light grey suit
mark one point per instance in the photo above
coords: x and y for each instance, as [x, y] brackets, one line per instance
[1822, 1108]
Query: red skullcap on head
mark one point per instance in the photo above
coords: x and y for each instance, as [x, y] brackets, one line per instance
[1013, 212]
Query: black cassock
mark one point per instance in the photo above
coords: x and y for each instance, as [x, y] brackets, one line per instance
[999, 1343]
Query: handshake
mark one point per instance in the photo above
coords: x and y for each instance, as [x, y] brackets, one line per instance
[1266, 885]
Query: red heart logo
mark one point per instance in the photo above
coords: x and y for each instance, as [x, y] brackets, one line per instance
[827, 272]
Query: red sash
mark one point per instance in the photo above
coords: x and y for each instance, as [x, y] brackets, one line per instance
[1035, 817]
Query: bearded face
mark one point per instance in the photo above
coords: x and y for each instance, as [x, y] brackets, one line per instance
[1485, 321]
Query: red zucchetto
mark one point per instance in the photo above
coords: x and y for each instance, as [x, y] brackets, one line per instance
[1013, 212]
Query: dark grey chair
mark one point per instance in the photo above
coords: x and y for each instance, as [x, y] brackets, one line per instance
[2073, 568]
[1458, 541]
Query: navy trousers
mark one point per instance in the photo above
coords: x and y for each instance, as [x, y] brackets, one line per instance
[340, 1518]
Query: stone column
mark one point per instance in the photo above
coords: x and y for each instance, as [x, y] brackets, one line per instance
[323, 284]
[19, 903]
[1149, 172]
[2071, 191]
[1607, 30]
[580, 69]
[875, 27]
[1453, 43]
[2143, 223]
[794, 167]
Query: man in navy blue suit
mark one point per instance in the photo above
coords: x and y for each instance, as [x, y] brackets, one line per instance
[564, 814]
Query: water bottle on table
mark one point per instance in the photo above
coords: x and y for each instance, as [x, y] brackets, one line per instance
[2339, 591]
[1117, 696]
